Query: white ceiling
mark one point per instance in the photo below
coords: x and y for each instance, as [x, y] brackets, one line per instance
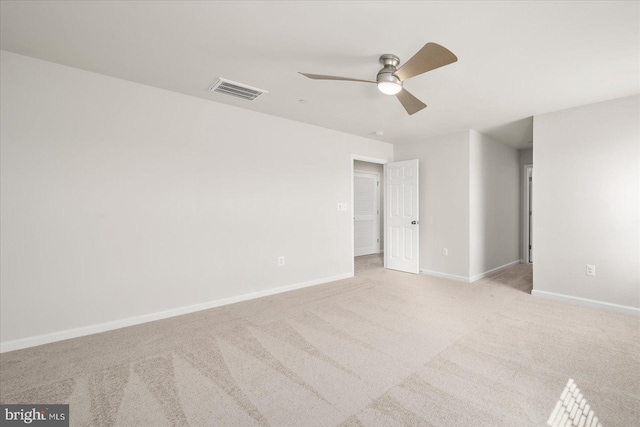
[516, 59]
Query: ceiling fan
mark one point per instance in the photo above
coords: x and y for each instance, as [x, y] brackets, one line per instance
[390, 78]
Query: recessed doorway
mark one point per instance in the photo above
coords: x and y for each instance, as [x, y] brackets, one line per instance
[367, 199]
[366, 212]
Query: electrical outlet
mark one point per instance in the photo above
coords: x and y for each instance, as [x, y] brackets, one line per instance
[280, 261]
[591, 270]
[445, 252]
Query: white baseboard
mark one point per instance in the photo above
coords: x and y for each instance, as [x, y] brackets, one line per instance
[493, 270]
[131, 321]
[445, 275]
[471, 279]
[586, 302]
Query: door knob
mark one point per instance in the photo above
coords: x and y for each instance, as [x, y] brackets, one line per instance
[415, 222]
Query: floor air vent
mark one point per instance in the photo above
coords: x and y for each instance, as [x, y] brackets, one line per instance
[238, 90]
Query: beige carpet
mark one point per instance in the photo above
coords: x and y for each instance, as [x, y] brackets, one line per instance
[381, 349]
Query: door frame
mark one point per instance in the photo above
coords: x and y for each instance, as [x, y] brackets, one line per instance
[379, 208]
[527, 221]
[370, 160]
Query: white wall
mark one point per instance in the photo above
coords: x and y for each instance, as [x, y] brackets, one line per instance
[379, 169]
[121, 200]
[444, 201]
[586, 206]
[494, 204]
[469, 204]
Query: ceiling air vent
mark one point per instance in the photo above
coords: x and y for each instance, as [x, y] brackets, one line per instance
[238, 90]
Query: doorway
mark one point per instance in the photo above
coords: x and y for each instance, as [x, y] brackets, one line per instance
[366, 212]
[368, 202]
[367, 198]
[399, 230]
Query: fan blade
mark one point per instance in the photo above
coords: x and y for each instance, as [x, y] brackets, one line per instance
[430, 57]
[321, 77]
[410, 102]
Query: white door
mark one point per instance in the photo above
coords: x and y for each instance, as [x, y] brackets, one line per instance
[366, 228]
[401, 216]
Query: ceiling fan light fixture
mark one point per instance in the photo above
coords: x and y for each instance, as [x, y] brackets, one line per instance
[389, 88]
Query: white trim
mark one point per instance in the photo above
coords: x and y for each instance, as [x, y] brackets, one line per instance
[136, 320]
[445, 275]
[525, 211]
[586, 302]
[493, 270]
[355, 157]
[368, 159]
[472, 278]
